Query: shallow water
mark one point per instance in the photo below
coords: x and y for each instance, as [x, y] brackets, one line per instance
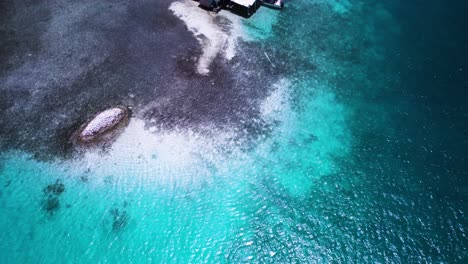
[329, 131]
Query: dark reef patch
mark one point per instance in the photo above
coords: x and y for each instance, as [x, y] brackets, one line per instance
[56, 188]
[51, 204]
[84, 178]
[119, 219]
[52, 192]
[21, 25]
[77, 58]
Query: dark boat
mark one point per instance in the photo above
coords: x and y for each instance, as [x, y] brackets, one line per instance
[244, 8]
[276, 4]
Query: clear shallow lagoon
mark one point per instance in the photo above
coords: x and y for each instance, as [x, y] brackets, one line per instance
[337, 132]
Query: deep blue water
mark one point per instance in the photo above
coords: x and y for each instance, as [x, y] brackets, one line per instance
[337, 133]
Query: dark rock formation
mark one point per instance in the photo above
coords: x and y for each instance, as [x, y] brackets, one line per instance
[84, 178]
[120, 219]
[51, 202]
[56, 188]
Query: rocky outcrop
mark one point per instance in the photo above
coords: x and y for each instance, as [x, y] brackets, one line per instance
[56, 188]
[120, 219]
[104, 126]
[52, 192]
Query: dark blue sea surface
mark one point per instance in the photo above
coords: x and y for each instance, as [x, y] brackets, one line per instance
[330, 131]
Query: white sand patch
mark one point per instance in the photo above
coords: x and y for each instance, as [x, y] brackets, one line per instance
[172, 156]
[213, 35]
[236, 32]
[276, 105]
[182, 157]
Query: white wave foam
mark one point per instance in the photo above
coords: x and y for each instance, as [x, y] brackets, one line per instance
[214, 32]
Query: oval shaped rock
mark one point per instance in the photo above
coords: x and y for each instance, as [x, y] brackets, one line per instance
[104, 125]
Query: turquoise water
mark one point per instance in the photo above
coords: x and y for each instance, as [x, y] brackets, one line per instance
[361, 161]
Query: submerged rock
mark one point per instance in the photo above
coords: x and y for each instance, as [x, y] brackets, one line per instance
[51, 204]
[120, 219]
[84, 178]
[103, 126]
[52, 192]
[56, 188]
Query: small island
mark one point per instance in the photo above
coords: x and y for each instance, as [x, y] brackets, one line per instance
[104, 126]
